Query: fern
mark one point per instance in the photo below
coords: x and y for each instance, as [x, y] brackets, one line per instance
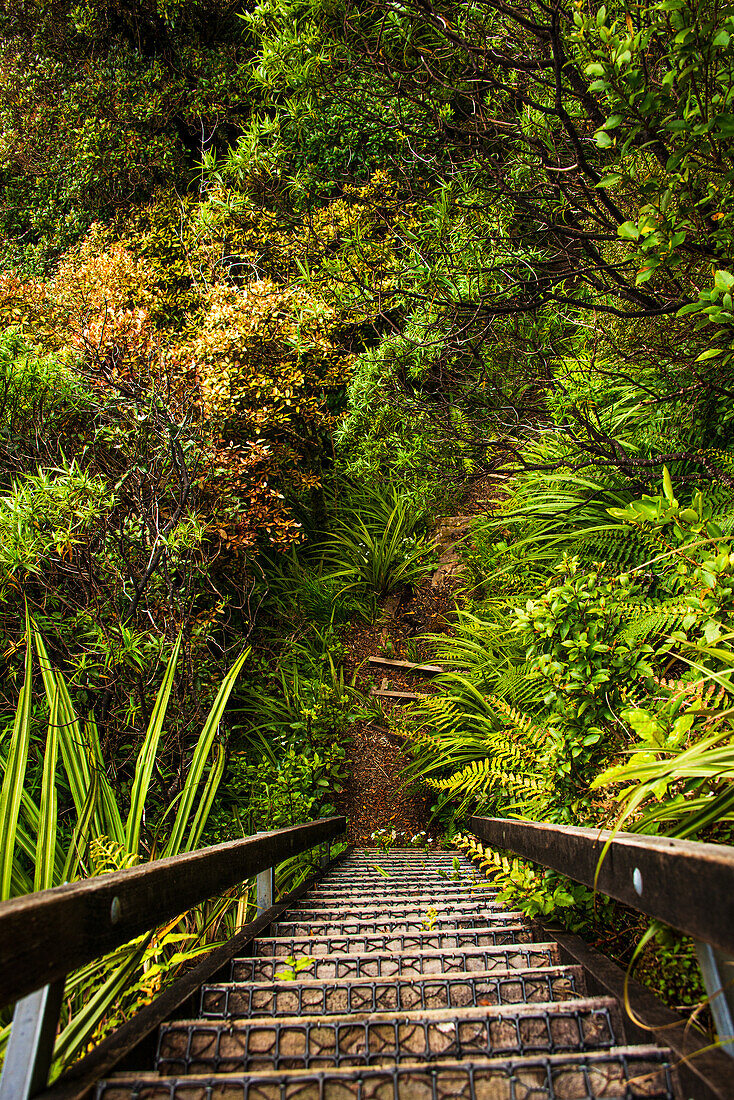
[623, 547]
[481, 777]
[649, 620]
[522, 684]
[520, 723]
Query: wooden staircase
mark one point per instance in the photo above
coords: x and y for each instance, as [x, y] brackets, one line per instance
[398, 976]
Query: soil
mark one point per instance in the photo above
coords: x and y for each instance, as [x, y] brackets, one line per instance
[375, 795]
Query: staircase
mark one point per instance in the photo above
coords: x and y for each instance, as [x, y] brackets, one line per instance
[398, 976]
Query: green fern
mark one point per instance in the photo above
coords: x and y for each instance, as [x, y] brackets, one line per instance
[646, 621]
[623, 547]
[481, 777]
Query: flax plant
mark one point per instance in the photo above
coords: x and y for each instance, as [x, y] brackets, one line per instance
[103, 839]
[376, 560]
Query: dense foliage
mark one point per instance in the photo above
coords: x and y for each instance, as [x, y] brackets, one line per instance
[276, 284]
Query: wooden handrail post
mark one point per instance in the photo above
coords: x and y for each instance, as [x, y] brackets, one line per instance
[31, 1044]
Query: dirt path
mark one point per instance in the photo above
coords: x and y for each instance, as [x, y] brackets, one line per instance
[375, 796]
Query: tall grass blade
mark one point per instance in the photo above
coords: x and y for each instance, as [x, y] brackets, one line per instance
[147, 755]
[201, 754]
[207, 797]
[12, 789]
[106, 801]
[46, 843]
[78, 844]
[71, 740]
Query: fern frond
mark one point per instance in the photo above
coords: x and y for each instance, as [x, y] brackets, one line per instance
[522, 723]
[650, 619]
[522, 684]
[483, 775]
[624, 547]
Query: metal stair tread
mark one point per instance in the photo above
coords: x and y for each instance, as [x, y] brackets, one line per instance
[445, 889]
[464, 975]
[382, 887]
[407, 882]
[453, 897]
[458, 922]
[629, 1060]
[237, 999]
[439, 955]
[550, 1027]
[467, 909]
[347, 918]
[506, 932]
[520, 1008]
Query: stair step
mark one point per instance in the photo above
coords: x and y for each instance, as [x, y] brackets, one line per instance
[412, 851]
[394, 884]
[378, 870]
[194, 1046]
[354, 925]
[398, 942]
[405, 882]
[619, 1072]
[405, 855]
[384, 874]
[283, 998]
[386, 964]
[391, 910]
[346, 899]
[405, 666]
[417, 861]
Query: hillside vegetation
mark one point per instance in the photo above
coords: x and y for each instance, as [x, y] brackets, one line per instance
[279, 286]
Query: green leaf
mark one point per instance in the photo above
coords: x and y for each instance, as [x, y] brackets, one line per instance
[147, 755]
[107, 806]
[46, 843]
[78, 844]
[216, 771]
[71, 741]
[724, 281]
[12, 789]
[628, 231]
[610, 180]
[198, 762]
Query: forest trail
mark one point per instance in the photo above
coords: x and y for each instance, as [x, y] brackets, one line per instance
[375, 797]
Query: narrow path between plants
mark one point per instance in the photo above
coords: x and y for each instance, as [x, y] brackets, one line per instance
[375, 797]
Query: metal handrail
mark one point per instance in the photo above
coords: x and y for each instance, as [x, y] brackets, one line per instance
[45, 935]
[688, 885]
